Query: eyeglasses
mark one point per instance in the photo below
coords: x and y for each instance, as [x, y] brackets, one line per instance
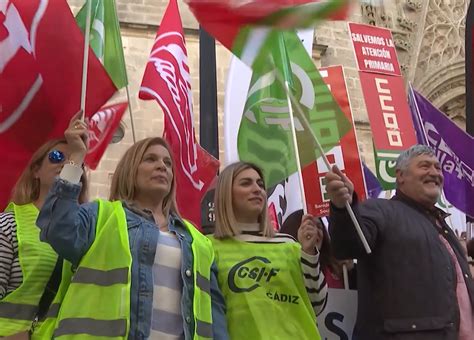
[56, 156]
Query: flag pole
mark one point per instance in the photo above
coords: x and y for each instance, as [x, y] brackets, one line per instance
[307, 126]
[345, 276]
[85, 64]
[295, 145]
[130, 111]
[131, 114]
[417, 117]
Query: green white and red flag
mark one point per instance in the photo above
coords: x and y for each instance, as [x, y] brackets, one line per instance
[245, 27]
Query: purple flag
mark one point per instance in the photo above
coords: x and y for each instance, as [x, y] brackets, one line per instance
[415, 115]
[453, 147]
[371, 182]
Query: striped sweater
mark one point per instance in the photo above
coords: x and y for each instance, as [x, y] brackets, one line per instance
[11, 276]
[167, 318]
[316, 285]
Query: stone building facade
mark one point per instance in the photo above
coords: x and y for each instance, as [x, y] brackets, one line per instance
[429, 36]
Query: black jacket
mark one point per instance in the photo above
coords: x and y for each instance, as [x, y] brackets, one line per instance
[407, 286]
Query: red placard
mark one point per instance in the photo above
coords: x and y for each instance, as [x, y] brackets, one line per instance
[374, 49]
[388, 111]
[345, 155]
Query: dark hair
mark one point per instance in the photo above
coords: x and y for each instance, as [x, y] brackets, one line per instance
[326, 256]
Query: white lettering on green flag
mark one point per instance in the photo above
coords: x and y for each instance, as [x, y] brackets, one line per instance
[264, 136]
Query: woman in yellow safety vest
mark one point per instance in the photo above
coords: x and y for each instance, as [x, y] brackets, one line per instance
[141, 271]
[273, 286]
[26, 264]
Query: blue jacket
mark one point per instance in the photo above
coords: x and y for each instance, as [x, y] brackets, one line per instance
[70, 229]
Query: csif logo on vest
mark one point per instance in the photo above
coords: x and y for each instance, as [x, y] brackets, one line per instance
[248, 274]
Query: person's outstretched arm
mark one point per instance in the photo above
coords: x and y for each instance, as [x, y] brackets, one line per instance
[65, 224]
[345, 240]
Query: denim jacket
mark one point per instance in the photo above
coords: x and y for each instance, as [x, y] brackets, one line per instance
[70, 229]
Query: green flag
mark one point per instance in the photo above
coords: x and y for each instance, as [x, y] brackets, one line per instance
[105, 38]
[264, 136]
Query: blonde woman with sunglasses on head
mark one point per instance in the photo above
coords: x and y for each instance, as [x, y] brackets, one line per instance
[272, 286]
[26, 263]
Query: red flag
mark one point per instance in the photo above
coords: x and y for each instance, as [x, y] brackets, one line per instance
[102, 126]
[41, 52]
[168, 81]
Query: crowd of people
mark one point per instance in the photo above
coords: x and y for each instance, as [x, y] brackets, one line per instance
[130, 267]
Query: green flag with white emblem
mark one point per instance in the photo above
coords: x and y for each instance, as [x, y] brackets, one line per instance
[385, 165]
[105, 38]
[264, 136]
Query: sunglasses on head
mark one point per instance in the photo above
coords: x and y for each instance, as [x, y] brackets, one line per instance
[56, 156]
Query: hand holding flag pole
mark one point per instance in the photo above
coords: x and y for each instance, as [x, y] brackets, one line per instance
[85, 64]
[306, 125]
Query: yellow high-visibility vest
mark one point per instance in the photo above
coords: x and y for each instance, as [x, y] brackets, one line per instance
[96, 304]
[37, 260]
